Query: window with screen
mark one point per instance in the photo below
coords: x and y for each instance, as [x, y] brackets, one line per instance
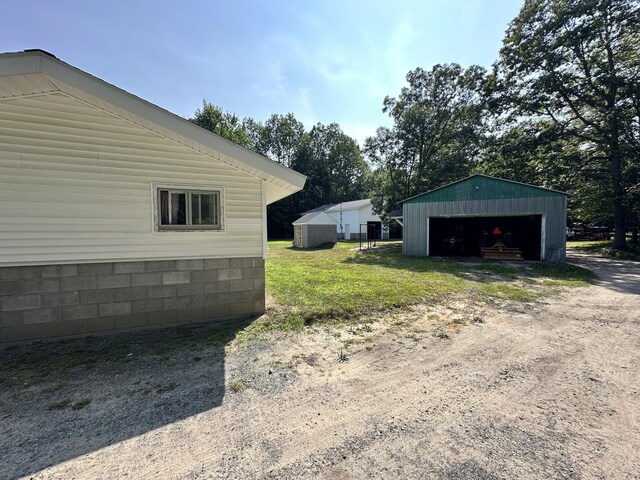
[188, 209]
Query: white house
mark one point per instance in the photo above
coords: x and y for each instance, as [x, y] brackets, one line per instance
[352, 220]
[117, 214]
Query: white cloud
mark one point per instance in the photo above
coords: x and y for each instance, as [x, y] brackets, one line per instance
[358, 131]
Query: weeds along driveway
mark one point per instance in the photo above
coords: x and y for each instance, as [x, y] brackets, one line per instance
[472, 388]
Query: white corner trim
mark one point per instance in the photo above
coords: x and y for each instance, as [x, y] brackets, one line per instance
[265, 247]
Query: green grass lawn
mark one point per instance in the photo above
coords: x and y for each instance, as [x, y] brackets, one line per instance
[605, 248]
[342, 282]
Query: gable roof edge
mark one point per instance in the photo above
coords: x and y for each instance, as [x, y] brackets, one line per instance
[486, 176]
[29, 62]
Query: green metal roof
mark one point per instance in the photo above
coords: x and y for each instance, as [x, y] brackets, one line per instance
[482, 187]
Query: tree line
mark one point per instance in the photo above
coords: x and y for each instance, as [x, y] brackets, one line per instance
[559, 108]
[332, 161]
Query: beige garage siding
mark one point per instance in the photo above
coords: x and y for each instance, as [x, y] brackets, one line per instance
[75, 185]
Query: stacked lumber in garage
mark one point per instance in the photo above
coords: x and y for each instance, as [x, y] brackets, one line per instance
[501, 253]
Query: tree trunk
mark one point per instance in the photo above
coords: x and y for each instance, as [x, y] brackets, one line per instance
[619, 233]
[619, 230]
[634, 235]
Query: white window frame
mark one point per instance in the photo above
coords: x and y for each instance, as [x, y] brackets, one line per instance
[187, 189]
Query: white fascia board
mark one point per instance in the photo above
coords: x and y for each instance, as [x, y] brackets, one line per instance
[287, 181]
[19, 64]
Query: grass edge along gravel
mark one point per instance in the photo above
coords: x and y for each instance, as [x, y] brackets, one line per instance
[604, 248]
[340, 283]
[317, 293]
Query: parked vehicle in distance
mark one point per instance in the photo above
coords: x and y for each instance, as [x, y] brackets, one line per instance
[587, 232]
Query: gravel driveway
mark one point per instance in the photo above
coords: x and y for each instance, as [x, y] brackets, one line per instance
[543, 390]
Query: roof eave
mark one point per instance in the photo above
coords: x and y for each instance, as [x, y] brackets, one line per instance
[30, 62]
[479, 175]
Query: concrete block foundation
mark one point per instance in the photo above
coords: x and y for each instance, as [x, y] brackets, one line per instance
[41, 302]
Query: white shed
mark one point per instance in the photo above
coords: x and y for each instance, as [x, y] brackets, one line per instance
[354, 219]
[118, 214]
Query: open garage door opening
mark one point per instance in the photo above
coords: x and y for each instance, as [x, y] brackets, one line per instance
[465, 236]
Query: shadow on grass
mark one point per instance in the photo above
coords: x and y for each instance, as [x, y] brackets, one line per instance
[390, 256]
[61, 400]
[605, 249]
[324, 246]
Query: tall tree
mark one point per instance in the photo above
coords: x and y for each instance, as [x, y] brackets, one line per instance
[576, 63]
[225, 124]
[436, 134]
[332, 161]
[280, 138]
[334, 165]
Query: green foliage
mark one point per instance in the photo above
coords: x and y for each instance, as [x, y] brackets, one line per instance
[436, 134]
[225, 124]
[334, 166]
[279, 138]
[574, 65]
[331, 160]
[342, 357]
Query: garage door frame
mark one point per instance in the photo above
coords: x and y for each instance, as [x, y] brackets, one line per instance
[543, 222]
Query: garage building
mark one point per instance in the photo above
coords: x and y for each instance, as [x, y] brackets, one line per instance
[465, 217]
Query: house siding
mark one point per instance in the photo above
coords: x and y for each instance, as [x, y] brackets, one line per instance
[76, 187]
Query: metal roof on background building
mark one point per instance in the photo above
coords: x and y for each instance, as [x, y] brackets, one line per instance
[318, 209]
[482, 187]
[335, 207]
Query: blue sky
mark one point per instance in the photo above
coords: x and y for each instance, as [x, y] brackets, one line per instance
[325, 61]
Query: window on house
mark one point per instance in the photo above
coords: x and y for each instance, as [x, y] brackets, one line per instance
[189, 209]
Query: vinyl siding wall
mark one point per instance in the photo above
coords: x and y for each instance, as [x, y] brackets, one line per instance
[75, 186]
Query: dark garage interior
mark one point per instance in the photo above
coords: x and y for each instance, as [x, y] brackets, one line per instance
[464, 236]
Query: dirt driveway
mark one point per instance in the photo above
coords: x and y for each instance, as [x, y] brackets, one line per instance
[540, 390]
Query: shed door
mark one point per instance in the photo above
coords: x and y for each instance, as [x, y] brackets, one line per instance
[298, 236]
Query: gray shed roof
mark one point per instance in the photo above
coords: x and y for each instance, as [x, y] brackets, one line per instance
[316, 218]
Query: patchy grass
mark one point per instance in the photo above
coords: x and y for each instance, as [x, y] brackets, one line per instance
[605, 249]
[342, 357]
[342, 282]
[237, 386]
[337, 284]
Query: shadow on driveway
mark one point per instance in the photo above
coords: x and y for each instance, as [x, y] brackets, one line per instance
[64, 399]
[614, 274]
